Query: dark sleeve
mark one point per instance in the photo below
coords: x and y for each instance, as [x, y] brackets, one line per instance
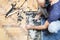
[54, 14]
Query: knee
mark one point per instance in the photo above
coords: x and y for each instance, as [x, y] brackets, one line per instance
[53, 27]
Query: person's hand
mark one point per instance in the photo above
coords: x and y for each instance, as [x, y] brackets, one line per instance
[28, 27]
[37, 17]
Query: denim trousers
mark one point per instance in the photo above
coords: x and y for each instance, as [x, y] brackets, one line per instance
[53, 31]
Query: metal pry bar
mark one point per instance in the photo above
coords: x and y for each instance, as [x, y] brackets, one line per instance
[13, 7]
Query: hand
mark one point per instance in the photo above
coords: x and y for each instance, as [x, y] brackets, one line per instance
[28, 27]
[37, 17]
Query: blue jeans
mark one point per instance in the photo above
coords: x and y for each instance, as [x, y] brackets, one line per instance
[50, 34]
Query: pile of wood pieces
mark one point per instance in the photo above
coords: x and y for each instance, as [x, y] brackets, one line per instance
[13, 18]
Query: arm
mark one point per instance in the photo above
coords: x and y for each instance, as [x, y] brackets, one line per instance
[41, 27]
